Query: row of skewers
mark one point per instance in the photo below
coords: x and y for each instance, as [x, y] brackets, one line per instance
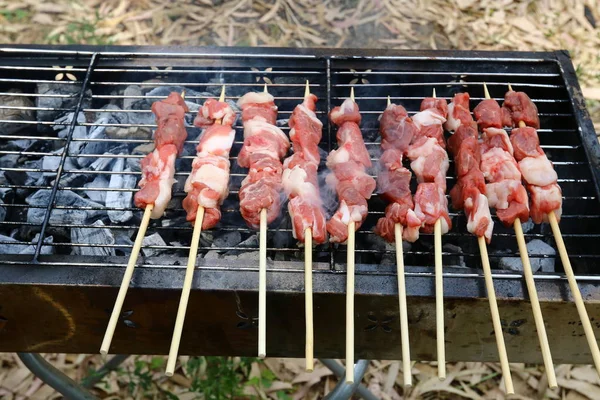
[490, 166]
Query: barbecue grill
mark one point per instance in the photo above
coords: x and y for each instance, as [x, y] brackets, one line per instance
[76, 121]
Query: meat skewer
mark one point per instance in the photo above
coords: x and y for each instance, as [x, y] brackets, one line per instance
[469, 194]
[396, 129]
[353, 186]
[429, 162]
[301, 185]
[158, 170]
[529, 146]
[501, 149]
[264, 147]
[207, 185]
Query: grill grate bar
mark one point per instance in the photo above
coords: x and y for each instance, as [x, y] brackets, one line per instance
[63, 158]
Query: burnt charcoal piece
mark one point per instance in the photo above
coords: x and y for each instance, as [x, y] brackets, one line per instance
[153, 240]
[96, 237]
[64, 198]
[10, 245]
[541, 258]
[99, 182]
[120, 198]
[71, 93]
[11, 114]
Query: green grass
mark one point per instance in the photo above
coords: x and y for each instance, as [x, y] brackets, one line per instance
[81, 32]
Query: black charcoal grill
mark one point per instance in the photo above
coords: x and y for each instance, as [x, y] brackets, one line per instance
[75, 122]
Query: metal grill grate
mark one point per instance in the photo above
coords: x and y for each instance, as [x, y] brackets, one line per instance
[107, 79]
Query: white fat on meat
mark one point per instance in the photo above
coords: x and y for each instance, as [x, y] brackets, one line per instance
[488, 133]
[295, 183]
[217, 144]
[166, 181]
[419, 155]
[538, 171]
[498, 193]
[482, 212]
[410, 233]
[347, 107]
[255, 98]
[497, 165]
[258, 127]
[338, 156]
[428, 117]
[452, 123]
[354, 213]
[214, 178]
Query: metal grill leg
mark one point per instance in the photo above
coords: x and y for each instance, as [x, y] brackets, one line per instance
[55, 378]
[344, 391]
[110, 365]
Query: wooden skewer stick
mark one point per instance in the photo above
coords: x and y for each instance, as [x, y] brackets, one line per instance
[135, 251]
[262, 281]
[533, 297]
[187, 282]
[489, 285]
[350, 295]
[308, 296]
[406, 367]
[439, 296]
[583, 315]
[262, 286]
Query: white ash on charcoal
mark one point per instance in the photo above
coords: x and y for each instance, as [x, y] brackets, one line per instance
[96, 145]
[120, 193]
[105, 161]
[115, 115]
[64, 198]
[10, 245]
[50, 164]
[97, 237]
[389, 258]
[153, 240]
[123, 241]
[227, 239]
[57, 96]
[99, 182]
[15, 114]
[2, 211]
[542, 257]
[131, 95]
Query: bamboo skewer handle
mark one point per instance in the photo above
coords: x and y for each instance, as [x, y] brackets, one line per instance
[185, 293]
[439, 300]
[489, 285]
[350, 304]
[406, 367]
[583, 315]
[308, 299]
[535, 305]
[262, 286]
[135, 251]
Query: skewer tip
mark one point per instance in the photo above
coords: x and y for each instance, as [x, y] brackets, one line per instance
[183, 94]
[434, 95]
[307, 90]
[222, 97]
[265, 89]
[103, 352]
[352, 93]
[510, 89]
[486, 92]
[389, 100]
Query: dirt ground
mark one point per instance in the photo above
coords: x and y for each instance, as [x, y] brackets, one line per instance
[421, 24]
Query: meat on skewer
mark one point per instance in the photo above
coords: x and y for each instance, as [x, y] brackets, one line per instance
[508, 195]
[348, 164]
[538, 172]
[469, 193]
[158, 171]
[264, 147]
[260, 203]
[504, 189]
[299, 178]
[397, 130]
[158, 167]
[207, 185]
[429, 162]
